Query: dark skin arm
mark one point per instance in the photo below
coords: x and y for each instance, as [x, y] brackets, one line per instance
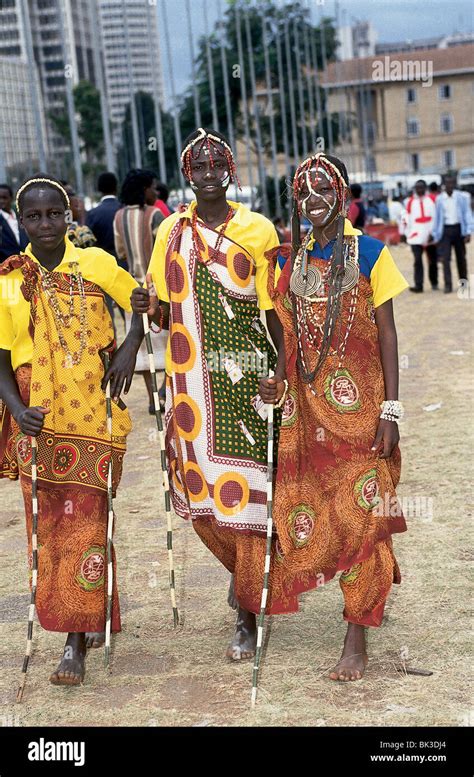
[29, 419]
[387, 432]
[271, 389]
[146, 301]
[120, 372]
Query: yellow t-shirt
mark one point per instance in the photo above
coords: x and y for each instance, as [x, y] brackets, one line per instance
[251, 230]
[95, 265]
[375, 262]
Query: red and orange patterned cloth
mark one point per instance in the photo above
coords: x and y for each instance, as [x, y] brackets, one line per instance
[332, 491]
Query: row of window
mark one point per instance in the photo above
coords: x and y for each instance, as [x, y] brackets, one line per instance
[448, 160]
[8, 18]
[445, 92]
[446, 125]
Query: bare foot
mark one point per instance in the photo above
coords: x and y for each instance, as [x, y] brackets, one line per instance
[95, 639]
[245, 639]
[231, 600]
[354, 657]
[71, 669]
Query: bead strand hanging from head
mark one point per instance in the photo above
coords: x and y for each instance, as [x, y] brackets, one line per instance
[207, 141]
[309, 171]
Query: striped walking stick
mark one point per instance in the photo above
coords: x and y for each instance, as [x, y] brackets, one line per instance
[34, 580]
[164, 471]
[266, 575]
[110, 525]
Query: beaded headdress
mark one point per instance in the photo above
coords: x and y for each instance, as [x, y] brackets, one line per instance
[309, 170]
[209, 141]
[33, 181]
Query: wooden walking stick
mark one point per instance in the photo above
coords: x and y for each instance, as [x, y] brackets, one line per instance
[34, 579]
[164, 470]
[110, 525]
[266, 575]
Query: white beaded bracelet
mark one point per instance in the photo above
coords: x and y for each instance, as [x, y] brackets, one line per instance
[283, 396]
[392, 410]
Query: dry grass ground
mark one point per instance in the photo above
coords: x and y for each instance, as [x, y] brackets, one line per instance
[161, 676]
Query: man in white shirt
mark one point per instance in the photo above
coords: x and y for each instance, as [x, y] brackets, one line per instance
[417, 226]
[452, 229]
[13, 239]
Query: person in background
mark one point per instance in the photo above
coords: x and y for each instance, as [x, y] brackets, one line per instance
[452, 229]
[433, 190]
[284, 234]
[135, 228]
[13, 238]
[77, 232]
[163, 194]
[372, 210]
[383, 208]
[395, 211]
[100, 220]
[417, 226]
[356, 214]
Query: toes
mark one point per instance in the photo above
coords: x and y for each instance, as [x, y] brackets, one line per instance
[236, 653]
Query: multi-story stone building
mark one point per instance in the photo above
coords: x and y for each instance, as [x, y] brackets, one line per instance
[405, 111]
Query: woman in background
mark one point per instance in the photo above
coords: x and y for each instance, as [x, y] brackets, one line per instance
[135, 227]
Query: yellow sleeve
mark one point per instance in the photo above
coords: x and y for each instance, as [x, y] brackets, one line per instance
[6, 322]
[386, 279]
[269, 240]
[157, 266]
[102, 269]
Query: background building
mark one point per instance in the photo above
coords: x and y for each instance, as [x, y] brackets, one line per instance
[398, 122]
[18, 128]
[63, 36]
[139, 21]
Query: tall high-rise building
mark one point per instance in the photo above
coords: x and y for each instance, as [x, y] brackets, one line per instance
[142, 71]
[61, 33]
[18, 127]
[63, 36]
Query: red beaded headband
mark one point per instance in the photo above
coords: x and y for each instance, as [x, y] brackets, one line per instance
[211, 142]
[333, 174]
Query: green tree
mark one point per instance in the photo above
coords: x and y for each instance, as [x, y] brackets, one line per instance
[148, 139]
[90, 128]
[277, 19]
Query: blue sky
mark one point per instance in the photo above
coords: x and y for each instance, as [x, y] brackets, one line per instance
[393, 19]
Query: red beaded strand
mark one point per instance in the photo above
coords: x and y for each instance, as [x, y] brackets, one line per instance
[219, 147]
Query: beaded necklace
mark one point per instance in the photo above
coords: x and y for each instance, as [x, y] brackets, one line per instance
[220, 236]
[63, 320]
[311, 314]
